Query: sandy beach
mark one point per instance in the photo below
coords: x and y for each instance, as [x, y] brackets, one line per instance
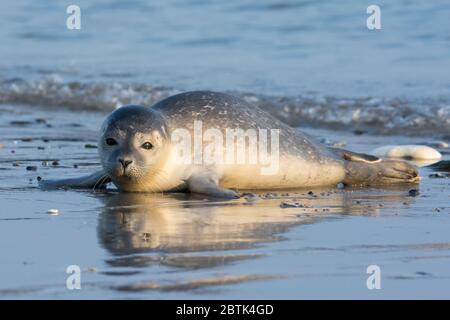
[163, 246]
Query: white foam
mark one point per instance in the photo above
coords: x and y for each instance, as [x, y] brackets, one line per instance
[377, 115]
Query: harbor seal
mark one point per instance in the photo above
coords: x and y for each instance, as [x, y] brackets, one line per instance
[212, 143]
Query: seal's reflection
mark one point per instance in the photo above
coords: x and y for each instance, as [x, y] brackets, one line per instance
[133, 222]
[173, 224]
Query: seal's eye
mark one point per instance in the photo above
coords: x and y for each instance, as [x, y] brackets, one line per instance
[147, 146]
[110, 142]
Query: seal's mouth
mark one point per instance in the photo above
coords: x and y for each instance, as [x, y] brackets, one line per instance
[118, 172]
[129, 174]
[126, 175]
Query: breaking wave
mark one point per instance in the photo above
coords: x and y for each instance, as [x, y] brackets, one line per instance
[376, 115]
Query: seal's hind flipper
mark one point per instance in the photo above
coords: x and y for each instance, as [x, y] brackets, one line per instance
[385, 172]
[356, 157]
[96, 180]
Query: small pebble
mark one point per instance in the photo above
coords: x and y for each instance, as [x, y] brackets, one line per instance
[270, 195]
[53, 212]
[31, 168]
[55, 163]
[41, 148]
[20, 123]
[439, 175]
[413, 193]
[359, 132]
[291, 205]
[339, 144]
[340, 185]
[423, 273]
[250, 197]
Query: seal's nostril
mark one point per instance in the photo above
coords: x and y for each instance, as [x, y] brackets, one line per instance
[125, 163]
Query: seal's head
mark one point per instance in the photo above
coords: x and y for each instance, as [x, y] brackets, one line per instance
[132, 146]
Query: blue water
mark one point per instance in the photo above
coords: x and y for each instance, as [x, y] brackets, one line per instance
[265, 47]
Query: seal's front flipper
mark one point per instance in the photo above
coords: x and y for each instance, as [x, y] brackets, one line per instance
[354, 156]
[380, 173]
[96, 180]
[207, 184]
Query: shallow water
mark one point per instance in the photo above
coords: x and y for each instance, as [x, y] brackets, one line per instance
[181, 246]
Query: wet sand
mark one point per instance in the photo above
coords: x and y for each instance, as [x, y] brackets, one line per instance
[161, 246]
